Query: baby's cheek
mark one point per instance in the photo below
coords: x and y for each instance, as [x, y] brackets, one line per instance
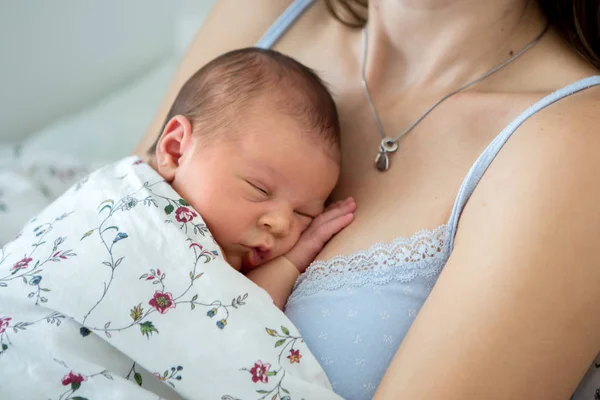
[293, 239]
[281, 249]
[233, 260]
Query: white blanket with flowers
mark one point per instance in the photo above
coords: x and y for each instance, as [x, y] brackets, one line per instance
[117, 291]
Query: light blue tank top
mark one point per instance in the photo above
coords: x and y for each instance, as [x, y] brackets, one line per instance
[353, 311]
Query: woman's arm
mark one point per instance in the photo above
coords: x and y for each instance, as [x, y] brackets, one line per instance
[515, 313]
[231, 24]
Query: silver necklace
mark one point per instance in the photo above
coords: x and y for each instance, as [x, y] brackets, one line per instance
[390, 144]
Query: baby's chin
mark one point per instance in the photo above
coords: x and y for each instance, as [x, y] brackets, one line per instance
[234, 260]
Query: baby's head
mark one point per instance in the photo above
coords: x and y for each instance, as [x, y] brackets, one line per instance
[252, 143]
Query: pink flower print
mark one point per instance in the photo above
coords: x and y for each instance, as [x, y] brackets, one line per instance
[21, 264]
[159, 376]
[4, 324]
[184, 214]
[294, 356]
[162, 301]
[71, 378]
[259, 372]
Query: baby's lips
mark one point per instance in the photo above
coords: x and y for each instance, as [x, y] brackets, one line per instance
[264, 253]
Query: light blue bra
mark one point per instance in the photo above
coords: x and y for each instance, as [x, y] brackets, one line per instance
[353, 311]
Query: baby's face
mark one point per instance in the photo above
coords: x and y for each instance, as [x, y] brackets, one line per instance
[259, 192]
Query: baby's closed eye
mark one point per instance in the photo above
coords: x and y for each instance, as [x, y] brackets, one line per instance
[263, 190]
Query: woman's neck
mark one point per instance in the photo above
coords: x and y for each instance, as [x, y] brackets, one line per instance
[439, 45]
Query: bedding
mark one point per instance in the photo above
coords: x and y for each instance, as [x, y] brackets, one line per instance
[117, 290]
[29, 182]
[45, 164]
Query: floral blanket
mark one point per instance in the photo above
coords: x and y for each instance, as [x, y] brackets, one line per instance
[118, 291]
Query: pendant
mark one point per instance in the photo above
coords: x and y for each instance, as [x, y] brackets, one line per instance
[382, 161]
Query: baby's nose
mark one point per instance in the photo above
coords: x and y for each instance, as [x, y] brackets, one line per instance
[278, 223]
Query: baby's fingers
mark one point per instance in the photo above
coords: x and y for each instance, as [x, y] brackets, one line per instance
[319, 232]
[338, 204]
[336, 210]
[333, 205]
[323, 232]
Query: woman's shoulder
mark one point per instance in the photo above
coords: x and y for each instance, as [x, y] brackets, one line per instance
[570, 124]
[560, 140]
[549, 169]
[235, 24]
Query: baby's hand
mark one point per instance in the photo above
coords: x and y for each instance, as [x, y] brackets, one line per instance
[335, 218]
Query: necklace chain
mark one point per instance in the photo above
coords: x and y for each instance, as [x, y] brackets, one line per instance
[390, 144]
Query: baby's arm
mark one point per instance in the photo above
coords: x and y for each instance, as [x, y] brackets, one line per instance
[278, 276]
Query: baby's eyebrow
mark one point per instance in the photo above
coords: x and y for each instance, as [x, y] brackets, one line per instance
[264, 167]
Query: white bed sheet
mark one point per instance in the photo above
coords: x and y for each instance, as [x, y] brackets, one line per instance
[36, 171]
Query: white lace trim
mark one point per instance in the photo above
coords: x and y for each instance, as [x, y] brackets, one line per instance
[423, 254]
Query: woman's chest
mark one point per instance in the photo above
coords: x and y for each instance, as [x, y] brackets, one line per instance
[420, 187]
[442, 146]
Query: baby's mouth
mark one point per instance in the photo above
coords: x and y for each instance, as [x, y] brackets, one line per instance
[255, 257]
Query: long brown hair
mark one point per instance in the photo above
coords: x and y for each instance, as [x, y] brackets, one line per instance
[578, 21]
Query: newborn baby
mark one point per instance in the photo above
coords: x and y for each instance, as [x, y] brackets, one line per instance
[252, 143]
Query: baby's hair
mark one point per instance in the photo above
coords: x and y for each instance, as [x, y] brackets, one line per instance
[217, 95]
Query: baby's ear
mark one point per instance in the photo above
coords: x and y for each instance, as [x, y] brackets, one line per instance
[174, 141]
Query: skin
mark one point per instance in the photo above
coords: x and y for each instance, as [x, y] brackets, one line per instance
[513, 314]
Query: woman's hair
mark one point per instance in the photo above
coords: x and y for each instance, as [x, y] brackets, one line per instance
[578, 21]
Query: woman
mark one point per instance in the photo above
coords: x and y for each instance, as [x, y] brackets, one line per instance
[514, 312]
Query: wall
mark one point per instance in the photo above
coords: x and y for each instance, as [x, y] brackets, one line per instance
[58, 56]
